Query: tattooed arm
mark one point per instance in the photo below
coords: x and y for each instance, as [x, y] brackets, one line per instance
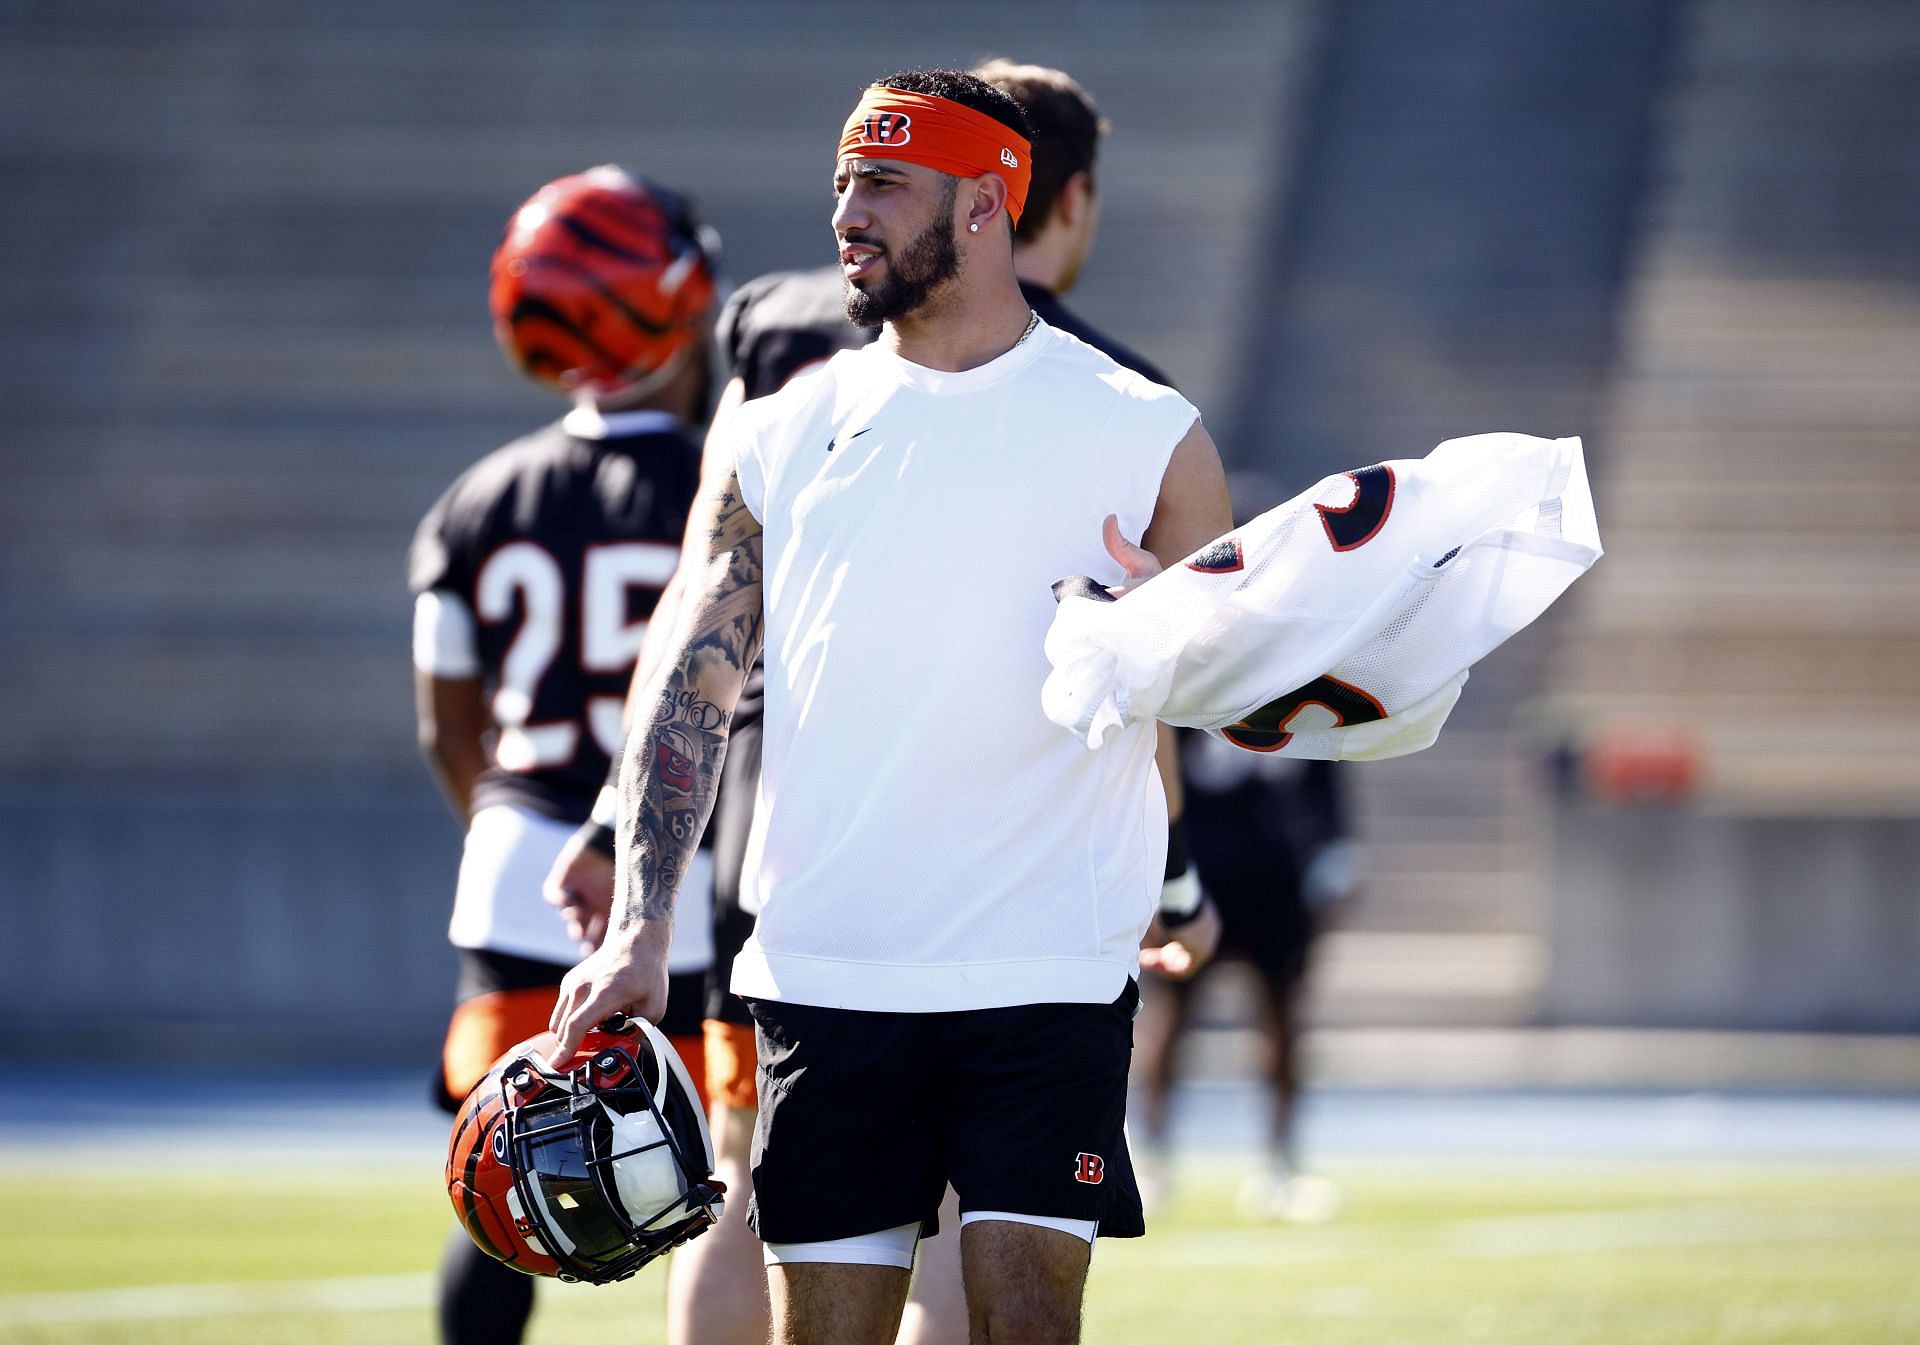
[671, 768]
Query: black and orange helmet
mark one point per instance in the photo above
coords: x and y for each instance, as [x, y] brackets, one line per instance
[584, 1169]
[603, 283]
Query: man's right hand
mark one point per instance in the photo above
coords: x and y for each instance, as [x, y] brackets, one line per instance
[580, 886]
[626, 974]
[1179, 954]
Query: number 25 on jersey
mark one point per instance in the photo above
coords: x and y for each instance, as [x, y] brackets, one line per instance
[610, 640]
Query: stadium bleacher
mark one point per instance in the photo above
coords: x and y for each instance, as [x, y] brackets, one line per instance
[1761, 493]
[1758, 616]
[1447, 261]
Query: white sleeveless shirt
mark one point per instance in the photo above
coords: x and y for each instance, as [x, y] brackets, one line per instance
[925, 838]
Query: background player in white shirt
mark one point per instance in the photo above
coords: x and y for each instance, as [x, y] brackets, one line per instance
[1000, 490]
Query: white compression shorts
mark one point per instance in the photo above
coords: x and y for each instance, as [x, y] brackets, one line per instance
[895, 1246]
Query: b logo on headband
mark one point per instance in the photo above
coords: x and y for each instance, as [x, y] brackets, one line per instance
[886, 128]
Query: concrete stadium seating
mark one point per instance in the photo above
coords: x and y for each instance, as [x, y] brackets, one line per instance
[1447, 260]
[1761, 493]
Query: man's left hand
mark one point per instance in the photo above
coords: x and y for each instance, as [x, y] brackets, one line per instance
[1139, 563]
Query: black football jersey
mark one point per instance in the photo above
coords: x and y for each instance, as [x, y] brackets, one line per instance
[777, 325]
[1058, 316]
[1256, 821]
[559, 546]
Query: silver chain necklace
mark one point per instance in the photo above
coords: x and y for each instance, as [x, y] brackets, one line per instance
[1033, 320]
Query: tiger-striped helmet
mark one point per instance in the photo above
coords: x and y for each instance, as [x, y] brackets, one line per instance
[589, 1172]
[603, 283]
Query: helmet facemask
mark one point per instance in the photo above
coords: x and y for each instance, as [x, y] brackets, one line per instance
[611, 1161]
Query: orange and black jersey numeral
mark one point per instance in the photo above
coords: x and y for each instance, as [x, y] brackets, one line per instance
[1267, 729]
[1354, 525]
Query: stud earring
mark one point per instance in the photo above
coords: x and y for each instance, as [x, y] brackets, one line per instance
[973, 228]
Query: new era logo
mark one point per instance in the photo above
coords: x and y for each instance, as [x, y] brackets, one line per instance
[1089, 1168]
[1007, 158]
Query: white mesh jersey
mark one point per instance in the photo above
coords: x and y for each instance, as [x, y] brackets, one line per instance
[1340, 625]
[925, 840]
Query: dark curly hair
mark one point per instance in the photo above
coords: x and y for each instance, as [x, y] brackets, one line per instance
[957, 86]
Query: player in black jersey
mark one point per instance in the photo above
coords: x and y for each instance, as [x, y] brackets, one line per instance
[773, 329]
[534, 577]
[1271, 844]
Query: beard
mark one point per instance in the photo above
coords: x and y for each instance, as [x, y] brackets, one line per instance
[927, 262]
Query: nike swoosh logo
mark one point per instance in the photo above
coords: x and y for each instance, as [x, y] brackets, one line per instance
[835, 443]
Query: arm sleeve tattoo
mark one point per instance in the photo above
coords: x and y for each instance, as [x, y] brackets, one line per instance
[670, 772]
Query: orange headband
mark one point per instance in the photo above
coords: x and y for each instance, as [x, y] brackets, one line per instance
[941, 134]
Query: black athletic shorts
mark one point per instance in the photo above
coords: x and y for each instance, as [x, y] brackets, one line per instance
[866, 1117]
[1266, 925]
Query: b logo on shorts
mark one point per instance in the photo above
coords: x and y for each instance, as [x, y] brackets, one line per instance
[1090, 1168]
[886, 128]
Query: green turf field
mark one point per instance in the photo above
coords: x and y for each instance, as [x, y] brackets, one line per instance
[1639, 1255]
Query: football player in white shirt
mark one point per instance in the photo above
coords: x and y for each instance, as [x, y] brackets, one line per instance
[952, 889]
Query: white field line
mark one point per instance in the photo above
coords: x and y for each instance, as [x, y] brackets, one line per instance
[356, 1293]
